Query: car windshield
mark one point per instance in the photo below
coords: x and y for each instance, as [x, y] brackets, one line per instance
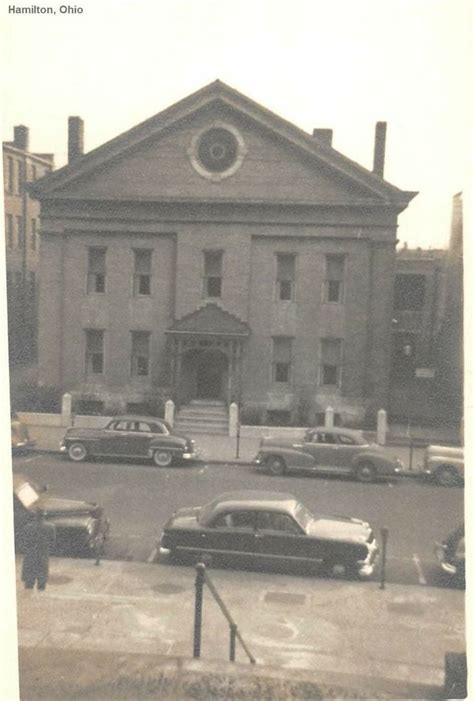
[27, 495]
[303, 516]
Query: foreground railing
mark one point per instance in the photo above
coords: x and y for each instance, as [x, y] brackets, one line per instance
[203, 578]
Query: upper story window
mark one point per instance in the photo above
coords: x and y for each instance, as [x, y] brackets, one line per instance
[285, 278]
[140, 353]
[10, 237]
[334, 280]
[10, 175]
[142, 272]
[409, 292]
[20, 234]
[331, 362]
[33, 234]
[212, 286]
[94, 352]
[96, 270]
[281, 359]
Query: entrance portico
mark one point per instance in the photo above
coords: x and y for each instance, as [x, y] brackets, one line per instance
[206, 355]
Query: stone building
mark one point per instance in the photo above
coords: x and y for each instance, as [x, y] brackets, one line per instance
[217, 252]
[21, 242]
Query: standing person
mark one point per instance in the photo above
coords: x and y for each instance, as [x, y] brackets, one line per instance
[39, 539]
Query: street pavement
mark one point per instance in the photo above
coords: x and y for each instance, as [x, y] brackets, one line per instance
[101, 631]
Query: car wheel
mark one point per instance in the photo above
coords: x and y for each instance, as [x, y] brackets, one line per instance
[275, 465]
[162, 458]
[365, 472]
[77, 452]
[446, 476]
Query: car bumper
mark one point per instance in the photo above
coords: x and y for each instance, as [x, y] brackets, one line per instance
[448, 567]
[367, 566]
[190, 456]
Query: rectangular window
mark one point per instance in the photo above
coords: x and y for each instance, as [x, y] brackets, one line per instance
[33, 234]
[212, 274]
[96, 270]
[334, 282]
[281, 359]
[10, 239]
[285, 282]
[142, 272]
[19, 182]
[140, 353]
[94, 352]
[331, 362]
[10, 175]
[19, 231]
[32, 285]
[410, 292]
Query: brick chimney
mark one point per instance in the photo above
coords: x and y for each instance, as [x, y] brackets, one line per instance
[21, 137]
[324, 135]
[379, 148]
[75, 142]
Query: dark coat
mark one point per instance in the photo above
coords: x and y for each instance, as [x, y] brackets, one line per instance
[39, 538]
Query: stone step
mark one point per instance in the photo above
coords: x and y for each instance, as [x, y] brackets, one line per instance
[212, 425]
[200, 414]
[202, 428]
[207, 402]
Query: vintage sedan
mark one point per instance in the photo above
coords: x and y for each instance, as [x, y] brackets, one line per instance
[81, 527]
[328, 450]
[451, 555]
[129, 437]
[259, 527]
[444, 464]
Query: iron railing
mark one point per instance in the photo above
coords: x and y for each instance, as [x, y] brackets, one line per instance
[203, 578]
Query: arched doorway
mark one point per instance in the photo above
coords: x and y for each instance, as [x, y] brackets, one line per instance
[206, 373]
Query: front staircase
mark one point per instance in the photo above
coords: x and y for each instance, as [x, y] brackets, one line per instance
[203, 416]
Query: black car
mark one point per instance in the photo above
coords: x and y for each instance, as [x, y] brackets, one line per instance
[81, 527]
[451, 555]
[270, 526]
[129, 437]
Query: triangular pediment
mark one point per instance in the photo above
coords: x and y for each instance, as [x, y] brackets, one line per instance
[282, 163]
[210, 320]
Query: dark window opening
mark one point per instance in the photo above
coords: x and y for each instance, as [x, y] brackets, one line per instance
[285, 276]
[96, 270]
[94, 352]
[213, 274]
[410, 292]
[140, 353]
[142, 272]
[334, 284]
[331, 360]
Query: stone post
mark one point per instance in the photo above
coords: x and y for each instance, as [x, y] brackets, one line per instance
[329, 417]
[169, 412]
[381, 427]
[66, 409]
[233, 419]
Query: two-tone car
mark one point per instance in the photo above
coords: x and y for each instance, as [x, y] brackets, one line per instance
[444, 464]
[252, 526]
[451, 555]
[81, 527]
[132, 437]
[329, 450]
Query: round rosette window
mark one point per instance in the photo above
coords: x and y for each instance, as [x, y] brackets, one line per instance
[217, 152]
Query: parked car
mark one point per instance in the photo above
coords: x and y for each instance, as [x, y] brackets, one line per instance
[260, 526]
[129, 437]
[444, 464]
[81, 527]
[329, 450]
[451, 554]
[21, 441]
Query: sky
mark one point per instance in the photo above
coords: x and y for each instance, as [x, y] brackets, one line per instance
[342, 64]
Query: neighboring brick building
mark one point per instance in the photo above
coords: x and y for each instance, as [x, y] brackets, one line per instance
[22, 242]
[216, 251]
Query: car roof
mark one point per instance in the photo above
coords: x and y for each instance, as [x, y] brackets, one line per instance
[137, 417]
[338, 429]
[253, 498]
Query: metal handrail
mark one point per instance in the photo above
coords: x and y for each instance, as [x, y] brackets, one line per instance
[203, 578]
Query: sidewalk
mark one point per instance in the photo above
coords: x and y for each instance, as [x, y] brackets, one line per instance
[125, 630]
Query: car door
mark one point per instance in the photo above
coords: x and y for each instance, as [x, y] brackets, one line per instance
[324, 448]
[346, 451]
[231, 533]
[140, 434]
[280, 537]
[114, 439]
